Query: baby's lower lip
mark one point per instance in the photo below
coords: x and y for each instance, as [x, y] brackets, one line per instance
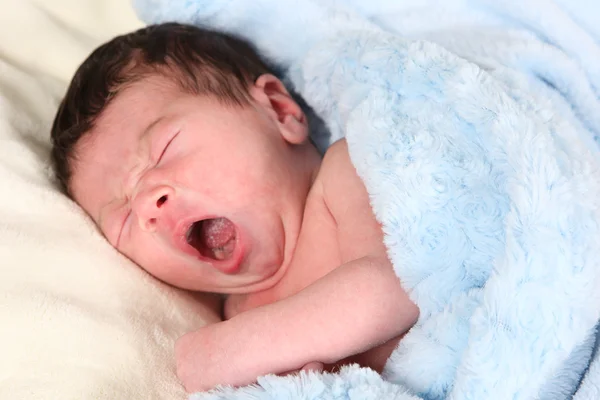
[232, 264]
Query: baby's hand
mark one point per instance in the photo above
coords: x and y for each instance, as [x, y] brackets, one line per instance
[235, 352]
[213, 356]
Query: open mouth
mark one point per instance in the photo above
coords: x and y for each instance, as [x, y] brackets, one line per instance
[213, 238]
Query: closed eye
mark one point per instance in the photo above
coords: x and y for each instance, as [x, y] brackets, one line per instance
[166, 147]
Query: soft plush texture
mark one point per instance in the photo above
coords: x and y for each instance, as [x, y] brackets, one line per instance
[474, 126]
[77, 320]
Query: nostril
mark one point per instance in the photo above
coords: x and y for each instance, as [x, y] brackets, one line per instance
[161, 201]
[152, 221]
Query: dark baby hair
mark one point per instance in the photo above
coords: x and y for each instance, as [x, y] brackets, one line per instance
[200, 61]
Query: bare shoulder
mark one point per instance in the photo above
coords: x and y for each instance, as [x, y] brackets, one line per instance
[337, 172]
[337, 152]
[347, 199]
[343, 190]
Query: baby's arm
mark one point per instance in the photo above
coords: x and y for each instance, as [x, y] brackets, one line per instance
[356, 307]
[352, 309]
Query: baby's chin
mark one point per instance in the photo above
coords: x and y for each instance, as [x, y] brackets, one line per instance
[253, 286]
[254, 277]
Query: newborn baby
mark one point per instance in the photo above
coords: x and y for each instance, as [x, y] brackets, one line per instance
[195, 162]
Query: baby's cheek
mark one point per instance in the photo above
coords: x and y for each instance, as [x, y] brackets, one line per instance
[150, 259]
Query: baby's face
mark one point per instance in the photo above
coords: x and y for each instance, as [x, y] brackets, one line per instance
[201, 195]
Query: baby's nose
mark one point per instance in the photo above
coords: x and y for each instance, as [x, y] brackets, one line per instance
[150, 205]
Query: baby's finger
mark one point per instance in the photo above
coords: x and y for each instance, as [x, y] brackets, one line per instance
[313, 366]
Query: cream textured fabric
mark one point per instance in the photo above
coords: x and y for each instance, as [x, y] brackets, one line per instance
[77, 320]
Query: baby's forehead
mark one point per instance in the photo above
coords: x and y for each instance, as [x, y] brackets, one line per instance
[102, 150]
[104, 155]
[123, 122]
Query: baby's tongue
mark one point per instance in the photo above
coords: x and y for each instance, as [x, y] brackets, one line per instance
[217, 232]
[213, 238]
[219, 237]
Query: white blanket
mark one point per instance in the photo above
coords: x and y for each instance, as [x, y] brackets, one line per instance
[77, 320]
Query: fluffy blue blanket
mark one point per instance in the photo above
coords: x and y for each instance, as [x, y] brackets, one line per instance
[475, 128]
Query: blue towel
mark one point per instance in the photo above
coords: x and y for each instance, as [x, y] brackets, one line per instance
[475, 128]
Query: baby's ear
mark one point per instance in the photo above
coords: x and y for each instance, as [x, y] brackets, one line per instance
[269, 92]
